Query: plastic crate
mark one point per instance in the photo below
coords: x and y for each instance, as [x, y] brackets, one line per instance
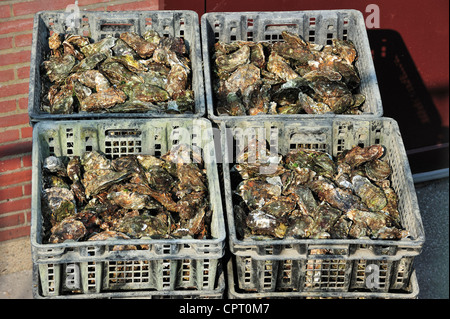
[233, 291]
[315, 26]
[98, 25]
[61, 284]
[116, 138]
[293, 264]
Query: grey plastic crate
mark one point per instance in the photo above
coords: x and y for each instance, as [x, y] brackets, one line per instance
[97, 25]
[315, 26]
[57, 282]
[116, 138]
[234, 292]
[293, 264]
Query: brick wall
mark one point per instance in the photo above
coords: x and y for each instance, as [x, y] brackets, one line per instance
[16, 24]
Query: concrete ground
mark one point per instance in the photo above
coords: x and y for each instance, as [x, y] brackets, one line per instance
[432, 265]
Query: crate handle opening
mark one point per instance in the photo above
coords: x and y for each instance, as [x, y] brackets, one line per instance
[116, 26]
[280, 27]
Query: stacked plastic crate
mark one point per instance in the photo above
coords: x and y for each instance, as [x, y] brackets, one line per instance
[293, 268]
[163, 268]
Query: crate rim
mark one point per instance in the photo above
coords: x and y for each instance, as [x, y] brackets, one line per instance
[345, 294]
[242, 245]
[220, 240]
[220, 289]
[262, 117]
[35, 117]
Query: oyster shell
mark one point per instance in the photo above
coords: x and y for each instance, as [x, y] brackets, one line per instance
[127, 196]
[339, 198]
[360, 155]
[103, 100]
[144, 225]
[55, 165]
[58, 67]
[142, 47]
[279, 66]
[58, 203]
[370, 194]
[103, 46]
[67, 229]
[261, 223]
[377, 170]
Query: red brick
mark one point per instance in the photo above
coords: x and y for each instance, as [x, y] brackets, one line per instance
[15, 205]
[5, 11]
[9, 136]
[17, 57]
[10, 164]
[26, 161]
[143, 5]
[6, 75]
[15, 148]
[5, 43]
[39, 5]
[27, 132]
[23, 73]
[14, 233]
[12, 192]
[15, 119]
[7, 106]
[15, 178]
[27, 189]
[13, 89]
[12, 220]
[16, 25]
[23, 40]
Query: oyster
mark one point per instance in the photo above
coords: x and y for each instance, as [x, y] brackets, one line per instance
[325, 218]
[256, 193]
[261, 223]
[360, 155]
[55, 165]
[67, 229]
[151, 36]
[374, 221]
[345, 49]
[377, 170]
[96, 181]
[279, 207]
[279, 66]
[103, 46]
[339, 198]
[74, 168]
[54, 41]
[112, 235]
[244, 78]
[300, 227]
[144, 225]
[142, 47]
[370, 194]
[176, 80]
[191, 179]
[190, 204]
[228, 63]
[102, 100]
[159, 179]
[89, 63]
[58, 67]
[127, 196]
[58, 203]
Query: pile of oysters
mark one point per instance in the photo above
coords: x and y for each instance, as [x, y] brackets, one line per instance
[118, 75]
[91, 197]
[292, 76]
[309, 194]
